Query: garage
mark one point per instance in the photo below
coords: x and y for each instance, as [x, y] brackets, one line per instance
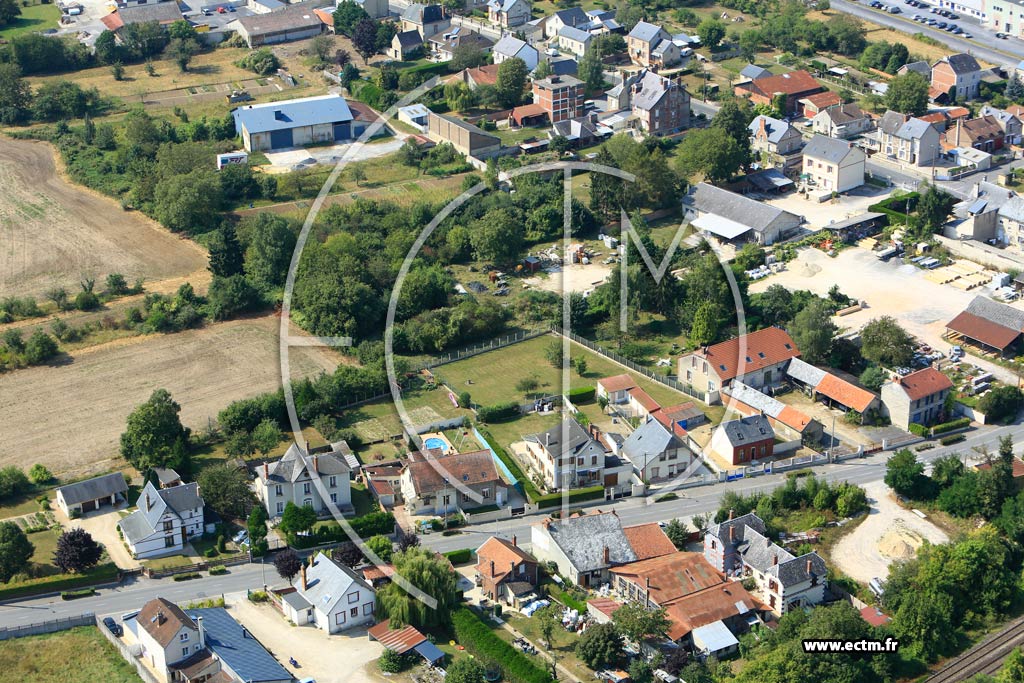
[281, 138]
[91, 494]
[89, 506]
[342, 131]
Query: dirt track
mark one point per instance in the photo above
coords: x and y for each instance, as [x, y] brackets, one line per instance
[52, 232]
[70, 417]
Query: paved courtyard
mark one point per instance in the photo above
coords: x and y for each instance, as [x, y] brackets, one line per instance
[102, 526]
[820, 214]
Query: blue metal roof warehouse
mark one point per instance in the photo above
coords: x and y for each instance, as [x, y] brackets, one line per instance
[293, 123]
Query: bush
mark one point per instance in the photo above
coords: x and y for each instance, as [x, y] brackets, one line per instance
[918, 429]
[218, 569]
[480, 641]
[951, 425]
[367, 526]
[86, 301]
[40, 475]
[258, 596]
[1000, 403]
[575, 496]
[210, 552]
[498, 412]
[953, 438]
[461, 556]
[390, 662]
[581, 394]
[187, 577]
[74, 595]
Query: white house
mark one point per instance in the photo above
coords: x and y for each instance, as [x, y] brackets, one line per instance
[306, 477]
[330, 596]
[833, 165]
[509, 46]
[166, 519]
[508, 13]
[655, 452]
[167, 636]
[574, 40]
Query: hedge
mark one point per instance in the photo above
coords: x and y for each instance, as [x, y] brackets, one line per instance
[951, 425]
[575, 496]
[372, 524]
[917, 429]
[953, 438]
[103, 573]
[498, 412]
[481, 642]
[581, 394]
[896, 215]
[529, 489]
[429, 68]
[218, 569]
[459, 556]
[187, 577]
[566, 598]
[74, 595]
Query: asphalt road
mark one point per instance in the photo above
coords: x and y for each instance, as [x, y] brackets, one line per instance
[700, 500]
[984, 44]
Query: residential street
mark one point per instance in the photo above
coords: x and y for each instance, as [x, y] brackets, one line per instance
[703, 499]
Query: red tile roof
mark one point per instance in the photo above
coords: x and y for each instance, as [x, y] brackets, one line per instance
[792, 83]
[672, 576]
[113, 21]
[527, 111]
[324, 16]
[958, 112]
[162, 620]
[399, 640]
[503, 554]
[823, 100]
[475, 467]
[875, 616]
[375, 573]
[985, 331]
[484, 75]
[648, 541]
[765, 347]
[644, 399]
[708, 606]
[382, 488]
[844, 392]
[1018, 467]
[923, 383]
[617, 383]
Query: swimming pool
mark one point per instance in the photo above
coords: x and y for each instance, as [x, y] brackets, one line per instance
[434, 442]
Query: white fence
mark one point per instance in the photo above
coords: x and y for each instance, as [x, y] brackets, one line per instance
[49, 626]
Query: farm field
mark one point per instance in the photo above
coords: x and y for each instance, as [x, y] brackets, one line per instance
[53, 232]
[46, 659]
[70, 417]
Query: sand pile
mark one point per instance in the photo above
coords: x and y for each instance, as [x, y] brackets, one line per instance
[899, 543]
[808, 270]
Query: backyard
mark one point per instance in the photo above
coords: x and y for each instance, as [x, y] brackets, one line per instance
[80, 655]
[33, 18]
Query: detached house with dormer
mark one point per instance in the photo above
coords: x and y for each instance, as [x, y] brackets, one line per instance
[165, 520]
[330, 596]
[508, 13]
[958, 76]
[649, 45]
[307, 476]
[765, 355]
[741, 549]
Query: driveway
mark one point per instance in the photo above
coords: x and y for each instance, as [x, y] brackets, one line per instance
[102, 526]
[349, 657]
[889, 533]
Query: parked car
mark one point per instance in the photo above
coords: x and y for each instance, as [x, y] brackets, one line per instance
[956, 353]
[965, 34]
[113, 626]
[241, 537]
[895, 10]
[221, 10]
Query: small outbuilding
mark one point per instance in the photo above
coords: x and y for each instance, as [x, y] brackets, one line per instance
[91, 494]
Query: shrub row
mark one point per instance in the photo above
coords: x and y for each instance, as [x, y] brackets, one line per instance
[372, 524]
[581, 394]
[917, 429]
[73, 595]
[959, 423]
[461, 556]
[103, 573]
[187, 577]
[529, 489]
[498, 412]
[480, 641]
[218, 569]
[575, 496]
[952, 438]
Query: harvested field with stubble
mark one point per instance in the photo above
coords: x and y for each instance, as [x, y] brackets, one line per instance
[69, 417]
[53, 232]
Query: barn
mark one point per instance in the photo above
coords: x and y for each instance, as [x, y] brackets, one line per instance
[293, 123]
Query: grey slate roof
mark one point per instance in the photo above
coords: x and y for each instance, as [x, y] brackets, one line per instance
[574, 16]
[758, 551]
[409, 39]
[914, 129]
[754, 398]
[962, 63]
[649, 90]
[747, 430]
[753, 72]
[891, 122]
[327, 582]
[152, 505]
[1013, 209]
[741, 524]
[92, 489]
[563, 66]
[421, 14]
[573, 33]
[135, 526]
[844, 114]
[165, 475]
[296, 601]
[648, 441]
[805, 372]
[795, 571]
[578, 442]
[509, 45]
[293, 465]
[828, 149]
[163, 12]
[743, 210]
[583, 539]
[775, 128]
[182, 498]
[306, 111]
[238, 648]
[1001, 314]
[921, 67]
[646, 32]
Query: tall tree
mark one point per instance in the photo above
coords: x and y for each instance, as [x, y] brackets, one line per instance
[934, 208]
[600, 646]
[511, 81]
[886, 343]
[908, 94]
[605, 189]
[364, 38]
[288, 564]
[591, 70]
[711, 32]
[77, 551]
[347, 16]
[154, 435]
[733, 117]
[227, 490]
[711, 152]
[430, 574]
[498, 235]
[903, 472]
[15, 550]
[813, 331]
[638, 623]
[15, 95]
[225, 252]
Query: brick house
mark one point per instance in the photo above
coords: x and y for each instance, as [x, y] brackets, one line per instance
[561, 97]
[744, 440]
[984, 133]
[959, 75]
[795, 85]
[507, 573]
[660, 105]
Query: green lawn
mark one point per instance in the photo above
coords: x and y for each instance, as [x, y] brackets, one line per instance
[513, 136]
[21, 505]
[45, 543]
[509, 432]
[80, 655]
[33, 18]
[362, 500]
[563, 644]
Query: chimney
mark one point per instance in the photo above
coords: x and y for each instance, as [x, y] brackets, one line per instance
[302, 571]
[266, 471]
[512, 567]
[775, 560]
[732, 534]
[763, 126]
[202, 632]
[514, 540]
[307, 448]
[731, 511]
[492, 567]
[808, 566]
[316, 464]
[607, 555]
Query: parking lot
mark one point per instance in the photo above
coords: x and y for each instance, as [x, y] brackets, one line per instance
[924, 13]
